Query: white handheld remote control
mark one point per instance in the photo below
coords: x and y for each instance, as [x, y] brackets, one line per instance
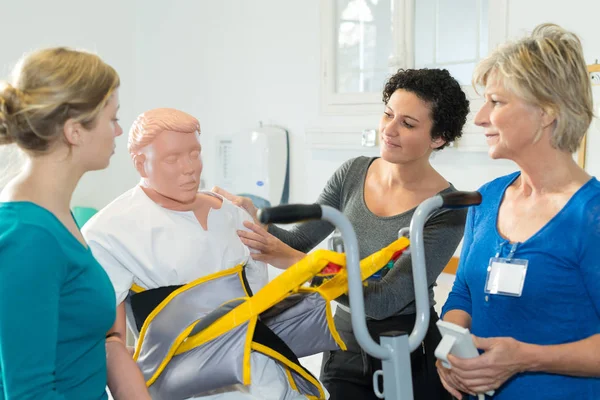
[457, 341]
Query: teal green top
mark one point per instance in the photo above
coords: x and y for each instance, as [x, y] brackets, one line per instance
[56, 306]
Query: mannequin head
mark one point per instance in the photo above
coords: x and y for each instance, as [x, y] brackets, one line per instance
[164, 144]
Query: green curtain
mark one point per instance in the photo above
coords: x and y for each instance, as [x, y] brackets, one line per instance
[83, 214]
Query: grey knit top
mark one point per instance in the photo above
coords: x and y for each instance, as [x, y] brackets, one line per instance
[394, 293]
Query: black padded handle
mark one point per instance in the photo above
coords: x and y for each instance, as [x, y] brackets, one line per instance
[461, 199]
[289, 213]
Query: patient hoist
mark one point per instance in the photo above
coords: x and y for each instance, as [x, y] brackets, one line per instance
[395, 347]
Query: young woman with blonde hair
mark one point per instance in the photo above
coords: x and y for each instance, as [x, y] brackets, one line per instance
[57, 302]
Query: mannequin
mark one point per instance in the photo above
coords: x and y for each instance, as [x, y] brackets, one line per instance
[164, 232]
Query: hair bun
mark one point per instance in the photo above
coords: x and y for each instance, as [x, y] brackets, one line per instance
[11, 102]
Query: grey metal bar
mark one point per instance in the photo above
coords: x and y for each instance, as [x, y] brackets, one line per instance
[355, 293]
[397, 372]
[417, 246]
[394, 350]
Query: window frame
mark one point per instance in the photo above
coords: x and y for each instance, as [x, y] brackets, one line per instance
[365, 104]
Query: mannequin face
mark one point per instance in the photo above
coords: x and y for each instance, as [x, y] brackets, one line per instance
[171, 165]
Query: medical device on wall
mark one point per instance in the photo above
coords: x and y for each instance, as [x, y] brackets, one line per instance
[255, 164]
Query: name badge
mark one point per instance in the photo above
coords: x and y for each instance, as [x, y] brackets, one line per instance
[506, 276]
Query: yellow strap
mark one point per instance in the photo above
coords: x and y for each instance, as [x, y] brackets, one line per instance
[331, 324]
[288, 282]
[246, 366]
[290, 364]
[163, 304]
[338, 284]
[291, 281]
[137, 288]
[290, 378]
[275, 291]
[169, 355]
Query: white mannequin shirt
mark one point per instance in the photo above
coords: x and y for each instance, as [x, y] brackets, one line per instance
[138, 241]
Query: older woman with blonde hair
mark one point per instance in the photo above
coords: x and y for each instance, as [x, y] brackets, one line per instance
[528, 283]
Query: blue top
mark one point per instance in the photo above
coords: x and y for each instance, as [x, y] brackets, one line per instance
[56, 306]
[560, 302]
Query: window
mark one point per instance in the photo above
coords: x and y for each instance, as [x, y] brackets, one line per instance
[451, 35]
[365, 41]
[364, 44]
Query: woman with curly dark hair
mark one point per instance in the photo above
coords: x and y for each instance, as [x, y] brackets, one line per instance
[425, 110]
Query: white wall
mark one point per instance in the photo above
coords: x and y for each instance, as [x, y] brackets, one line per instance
[233, 63]
[270, 96]
[106, 30]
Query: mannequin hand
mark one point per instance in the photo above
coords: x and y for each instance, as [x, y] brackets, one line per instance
[271, 250]
[239, 201]
[490, 370]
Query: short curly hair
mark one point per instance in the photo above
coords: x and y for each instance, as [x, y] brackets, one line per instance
[449, 104]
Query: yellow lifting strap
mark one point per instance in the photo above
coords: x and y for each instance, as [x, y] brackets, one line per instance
[291, 281]
[138, 289]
